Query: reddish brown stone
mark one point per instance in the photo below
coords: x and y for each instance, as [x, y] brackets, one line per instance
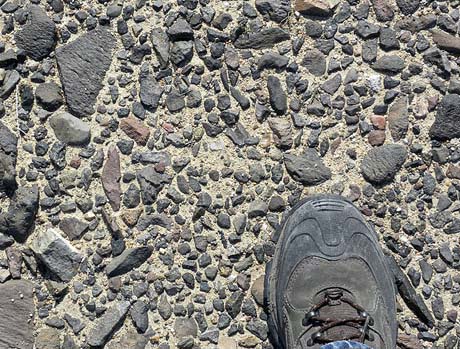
[14, 258]
[376, 137]
[453, 172]
[406, 341]
[378, 121]
[75, 162]
[136, 130]
[383, 10]
[111, 175]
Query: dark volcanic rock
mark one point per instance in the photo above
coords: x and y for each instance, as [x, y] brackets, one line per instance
[277, 10]
[112, 319]
[82, 67]
[38, 36]
[160, 43]
[381, 164]
[315, 61]
[128, 260]
[266, 38]
[383, 10]
[278, 98]
[408, 294]
[151, 183]
[389, 64]
[408, 7]
[49, 96]
[307, 168]
[150, 91]
[447, 123]
[8, 155]
[17, 306]
[22, 210]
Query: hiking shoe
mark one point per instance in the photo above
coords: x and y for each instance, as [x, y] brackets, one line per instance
[328, 280]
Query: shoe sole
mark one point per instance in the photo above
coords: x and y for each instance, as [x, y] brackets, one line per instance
[278, 237]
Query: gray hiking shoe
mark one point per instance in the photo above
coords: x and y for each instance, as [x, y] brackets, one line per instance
[328, 279]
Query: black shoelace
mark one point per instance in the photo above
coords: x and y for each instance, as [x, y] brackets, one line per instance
[361, 322]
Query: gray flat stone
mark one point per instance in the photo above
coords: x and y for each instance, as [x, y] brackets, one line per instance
[105, 326]
[69, 129]
[57, 254]
[16, 307]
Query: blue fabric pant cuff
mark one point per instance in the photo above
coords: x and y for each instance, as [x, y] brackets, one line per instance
[345, 345]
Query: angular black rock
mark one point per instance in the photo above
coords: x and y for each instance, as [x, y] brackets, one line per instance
[38, 36]
[447, 123]
[408, 294]
[128, 260]
[22, 210]
[83, 64]
[8, 155]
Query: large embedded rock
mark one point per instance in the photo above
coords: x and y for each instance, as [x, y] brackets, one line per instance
[447, 123]
[38, 36]
[56, 254]
[17, 309]
[307, 168]
[381, 164]
[83, 64]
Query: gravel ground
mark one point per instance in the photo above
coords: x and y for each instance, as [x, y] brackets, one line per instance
[150, 149]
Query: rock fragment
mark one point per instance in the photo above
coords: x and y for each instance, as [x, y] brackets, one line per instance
[8, 157]
[150, 91]
[130, 258]
[73, 227]
[398, 118]
[408, 294]
[22, 210]
[278, 98]
[315, 62]
[408, 7]
[383, 10]
[38, 36]
[447, 123]
[57, 254]
[381, 164]
[111, 175]
[17, 307]
[69, 129]
[389, 64]
[49, 96]
[135, 130]
[160, 43]
[316, 7]
[83, 64]
[307, 168]
[446, 41]
[105, 326]
[265, 38]
[277, 10]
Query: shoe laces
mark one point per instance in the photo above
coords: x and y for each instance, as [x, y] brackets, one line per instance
[358, 325]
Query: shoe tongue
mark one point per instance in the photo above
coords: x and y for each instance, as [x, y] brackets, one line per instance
[340, 310]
